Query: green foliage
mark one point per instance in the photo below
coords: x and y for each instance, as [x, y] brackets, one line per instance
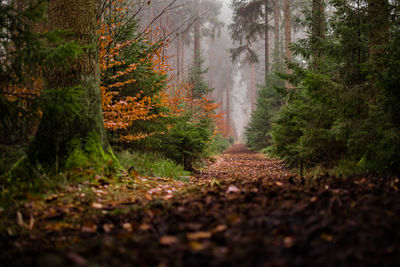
[268, 103]
[90, 153]
[342, 115]
[151, 164]
[187, 141]
[9, 155]
[218, 144]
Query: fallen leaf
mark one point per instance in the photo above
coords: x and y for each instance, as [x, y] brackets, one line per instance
[198, 235]
[327, 237]
[20, 219]
[220, 228]
[51, 198]
[108, 227]
[31, 222]
[168, 240]
[288, 241]
[197, 246]
[89, 227]
[98, 206]
[127, 226]
[232, 189]
[145, 227]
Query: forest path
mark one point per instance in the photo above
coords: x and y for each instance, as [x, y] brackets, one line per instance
[244, 210]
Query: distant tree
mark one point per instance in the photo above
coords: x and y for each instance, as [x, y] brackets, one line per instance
[251, 23]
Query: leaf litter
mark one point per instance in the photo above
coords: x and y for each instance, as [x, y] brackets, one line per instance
[244, 210]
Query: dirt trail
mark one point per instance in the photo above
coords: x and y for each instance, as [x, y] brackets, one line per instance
[245, 210]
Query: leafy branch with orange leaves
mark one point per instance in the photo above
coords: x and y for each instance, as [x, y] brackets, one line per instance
[133, 74]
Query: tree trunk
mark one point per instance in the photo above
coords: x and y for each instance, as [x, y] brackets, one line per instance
[59, 139]
[276, 25]
[228, 104]
[197, 37]
[253, 87]
[318, 31]
[266, 41]
[288, 28]
[288, 35]
[378, 32]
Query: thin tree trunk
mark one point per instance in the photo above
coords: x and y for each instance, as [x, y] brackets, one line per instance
[228, 105]
[266, 41]
[57, 136]
[178, 59]
[182, 57]
[253, 87]
[276, 25]
[378, 32]
[288, 29]
[378, 38]
[288, 35]
[318, 13]
[196, 78]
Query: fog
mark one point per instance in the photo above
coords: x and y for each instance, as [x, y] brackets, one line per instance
[240, 103]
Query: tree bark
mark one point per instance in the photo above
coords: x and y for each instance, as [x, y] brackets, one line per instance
[318, 13]
[266, 41]
[178, 59]
[253, 87]
[52, 142]
[276, 25]
[197, 37]
[378, 32]
[288, 35]
[288, 29]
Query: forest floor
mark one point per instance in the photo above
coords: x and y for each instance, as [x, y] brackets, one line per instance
[243, 210]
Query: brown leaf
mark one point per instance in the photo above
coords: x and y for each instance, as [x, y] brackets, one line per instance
[198, 235]
[288, 241]
[20, 219]
[220, 228]
[145, 227]
[31, 222]
[327, 237]
[168, 240]
[98, 206]
[127, 226]
[197, 246]
[89, 227]
[108, 227]
[232, 189]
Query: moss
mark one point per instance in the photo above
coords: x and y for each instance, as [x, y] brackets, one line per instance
[90, 154]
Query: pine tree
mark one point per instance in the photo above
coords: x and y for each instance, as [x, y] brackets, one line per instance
[250, 24]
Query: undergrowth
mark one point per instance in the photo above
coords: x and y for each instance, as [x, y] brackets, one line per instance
[151, 164]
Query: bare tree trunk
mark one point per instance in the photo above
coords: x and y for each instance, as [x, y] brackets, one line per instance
[288, 28]
[276, 25]
[197, 48]
[178, 59]
[266, 41]
[182, 57]
[253, 87]
[288, 35]
[228, 104]
[378, 36]
[318, 13]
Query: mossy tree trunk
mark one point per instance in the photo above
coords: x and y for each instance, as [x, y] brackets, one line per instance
[58, 137]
